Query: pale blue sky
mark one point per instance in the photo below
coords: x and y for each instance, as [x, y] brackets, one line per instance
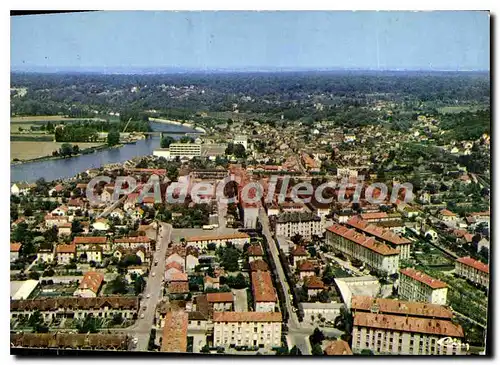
[235, 40]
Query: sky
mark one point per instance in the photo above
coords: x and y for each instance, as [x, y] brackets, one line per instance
[448, 40]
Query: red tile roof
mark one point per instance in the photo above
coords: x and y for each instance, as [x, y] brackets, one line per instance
[469, 261]
[313, 282]
[15, 247]
[91, 280]
[423, 278]
[447, 213]
[220, 297]
[173, 264]
[306, 266]
[247, 317]
[255, 250]
[174, 337]
[71, 248]
[262, 287]
[377, 215]
[408, 324]
[89, 240]
[179, 276]
[137, 239]
[178, 287]
[299, 251]
[379, 232]
[361, 239]
[338, 347]
[259, 265]
[400, 307]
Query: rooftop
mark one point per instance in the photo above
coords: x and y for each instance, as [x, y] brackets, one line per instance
[408, 324]
[401, 307]
[296, 217]
[469, 261]
[226, 297]
[247, 317]
[89, 240]
[262, 287]
[423, 278]
[259, 265]
[379, 232]
[91, 280]
[338, 347]
[174, 337]
[377, 215]
[361, 239]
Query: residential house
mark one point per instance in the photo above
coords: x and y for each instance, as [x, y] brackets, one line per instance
[65, 253]
[220, 302]
[15, 248]
[298, 254]
[337, 348]
[90, 285]
[314, 286]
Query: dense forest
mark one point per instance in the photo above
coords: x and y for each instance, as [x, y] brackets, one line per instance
[293, 95]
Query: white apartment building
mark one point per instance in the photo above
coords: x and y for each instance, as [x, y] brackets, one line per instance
[475, 271]
[256, 329]
[181, 150]
[238, 239]
[329, 311]
[376, 255]
[416, 286]
[394, 327]
[383, 235]
[305, 224]
[397, 335]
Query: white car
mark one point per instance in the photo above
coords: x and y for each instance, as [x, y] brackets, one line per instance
[142, 315]
[154, 274]
[148, 296]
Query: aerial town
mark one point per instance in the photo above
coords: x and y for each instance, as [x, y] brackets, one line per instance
[171, 248]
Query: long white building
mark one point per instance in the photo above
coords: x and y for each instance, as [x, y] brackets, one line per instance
[377, 255]
[255, 329]
[393, 327]
[417, 286]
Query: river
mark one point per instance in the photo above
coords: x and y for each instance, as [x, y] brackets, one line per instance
[68, 167]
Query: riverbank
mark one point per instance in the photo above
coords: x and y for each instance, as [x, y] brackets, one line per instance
[174, 122]
[52, 146]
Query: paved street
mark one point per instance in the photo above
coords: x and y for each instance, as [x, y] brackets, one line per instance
[297, 334]
[154, 288]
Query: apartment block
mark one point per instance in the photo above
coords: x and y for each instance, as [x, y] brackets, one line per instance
[419, 287]
[305, 224]
[475, 271]
[256, 329]
[377, 255]
[392, 327]
[383, 235]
